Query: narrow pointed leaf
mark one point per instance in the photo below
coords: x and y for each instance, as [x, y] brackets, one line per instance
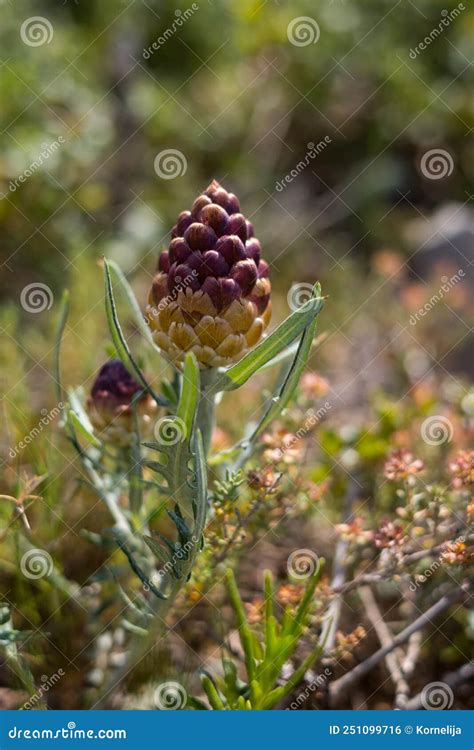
[119, 340]
[289, 381]
[161, 555]
[212, 694]
[81, 428]
[200, 509]
[137, 313]
[242, 623]
[271, 346]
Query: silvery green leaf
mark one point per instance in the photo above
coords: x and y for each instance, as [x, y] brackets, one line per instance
[119, 341]
[273, 344]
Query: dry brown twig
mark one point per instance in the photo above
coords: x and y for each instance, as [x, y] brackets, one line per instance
[341, 685]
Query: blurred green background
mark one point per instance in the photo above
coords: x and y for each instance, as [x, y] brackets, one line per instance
[229, 91]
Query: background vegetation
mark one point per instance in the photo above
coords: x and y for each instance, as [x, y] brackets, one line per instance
[241, 103]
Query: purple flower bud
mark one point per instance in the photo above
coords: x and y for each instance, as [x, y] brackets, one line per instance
[253, 250]
[216, 260]
[184, 220]
[233, 205]
[231, 248]
[179, 250]
[164, 262]
[114, 382]
[263, 269]
[245, 274]
[215, 217]
[200, 237]
[199, 204]
[182, 276]
[238, 226]
[213, 264]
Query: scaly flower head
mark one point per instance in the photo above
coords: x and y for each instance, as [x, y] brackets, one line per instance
[211, 294]
[110, 404]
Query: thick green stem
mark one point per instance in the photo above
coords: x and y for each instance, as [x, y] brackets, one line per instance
[205, 417]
